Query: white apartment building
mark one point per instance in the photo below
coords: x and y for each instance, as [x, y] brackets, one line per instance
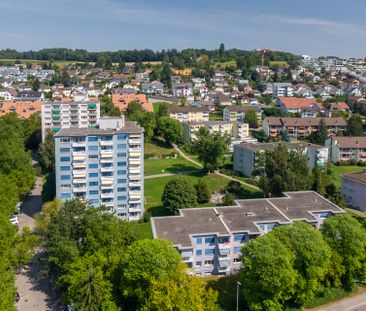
[59, 115]
[282, 90]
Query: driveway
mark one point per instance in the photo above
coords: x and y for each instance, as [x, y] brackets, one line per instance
[35, 289]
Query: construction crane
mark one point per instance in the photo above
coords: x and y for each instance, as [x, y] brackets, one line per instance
[263, 51]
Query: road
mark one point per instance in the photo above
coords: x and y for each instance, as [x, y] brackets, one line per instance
[35, 290]
[355, 303]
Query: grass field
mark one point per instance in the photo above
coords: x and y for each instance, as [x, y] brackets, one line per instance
[230, 63]
[340, 170]
[161, 166]
[279, 64]
[158, 149]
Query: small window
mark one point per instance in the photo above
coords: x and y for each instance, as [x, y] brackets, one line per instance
[65, 177]
[121, 146]
[198, 240]
[209, 251]
[65, 140]
[93, 192]
[93, 138]
[121, 137]
[198, 263]
[208, 262]
[93, 183]
[64, 159]
[65, 195]
[91, 175]
[122, 181]
[122, 198]
[93, 165]
[122, 189]
[121, 164]
[64, 149]
[122, 154]
[237, 250]
[94, 201]
[198, 252]
[92, 148]
[121, 172]
[239, 238]
[210, 240]
[93, 156]
[65, 168]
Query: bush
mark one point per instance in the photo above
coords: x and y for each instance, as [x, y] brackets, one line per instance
[228, 199]
[233, 187]
[202, 191]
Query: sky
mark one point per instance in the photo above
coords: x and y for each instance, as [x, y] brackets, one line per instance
[312, 27]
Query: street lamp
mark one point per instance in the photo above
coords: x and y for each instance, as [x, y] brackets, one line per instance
[237, 295]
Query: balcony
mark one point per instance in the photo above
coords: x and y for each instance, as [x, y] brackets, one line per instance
[107, 169]
[106, 153]
[79, 180]
[135, 161]
[135, 150]
[134, 209]
[107, 195]
[135, 154]
[134, 217]
[108, 204]
[136, 177]
[106, 142]
[78, 153]
[79, 189]
[188, 259]
[80, 165]
[134, 141]
[106, 160]
[79, 144]
[224, 246]
[134, 184]
[78, 172]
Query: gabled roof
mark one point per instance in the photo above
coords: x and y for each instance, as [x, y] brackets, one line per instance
[350, 141]
[297, 103]
[123, 100]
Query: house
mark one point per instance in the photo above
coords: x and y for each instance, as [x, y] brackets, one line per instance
[236, 130]
[220, 99]
[123, 100]
[237, 113]
[210, 239]
[345, 148]
[6, 83]
[182, 72]
[30, 96]
[353, 189]
[182, 89]
[189, 114]
[207, 104]
[142, 77]
[300, 127]
[6, 95]
[337, 107]
[282, 90]
[246, 155]
[154, 87]
[24, 109]
[296, 105]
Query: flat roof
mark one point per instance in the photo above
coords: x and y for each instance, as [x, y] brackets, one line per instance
[270, 146]
[242, 217]
[358, 176]
[129, 127]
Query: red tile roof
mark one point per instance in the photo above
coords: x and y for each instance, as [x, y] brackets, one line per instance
[123, 100]
[298, 103]
[24, 109]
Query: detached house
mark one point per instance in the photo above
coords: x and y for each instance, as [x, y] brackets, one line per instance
[345, 148]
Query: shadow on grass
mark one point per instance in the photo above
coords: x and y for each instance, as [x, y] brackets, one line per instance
[176, 168]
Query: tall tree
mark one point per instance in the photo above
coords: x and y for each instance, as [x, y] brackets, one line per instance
[251, 118]
[355, 126]
[47, 152]
[222, 51]
[211, 148]
[202, 191]
[170, 129]
[320, 136]
[178, 193]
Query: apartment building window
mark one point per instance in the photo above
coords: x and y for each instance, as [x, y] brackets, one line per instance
[65, 177]
[210, 240]
[93, 192]
[122, 189]
[237, 250]
[198, 240]
[93, 156]
[122, 154]
[121, 146]
[93, 138]
[239, 238]
[121, 137]
[122, 198]
[198, 263]
[93, 165]
[208, 262]
[107, 174]
[93, 183]
[121, 172]
[94, 201]
[107, 138]
[236, 260]
[91, 175]
[64, 149]
[65, 195]
[121, 164]
[65, 168]
[122, 205]
[92, 148]
[198, 252]
[65, 140]
[122, 181]
[65, 159]
[209, 251]
[65, 186]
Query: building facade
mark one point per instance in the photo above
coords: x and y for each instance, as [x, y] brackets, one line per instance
[190, 114]
[353, 189]
[237, 113]
[246, 156]
[343, 148]
[103, 165]
[60, 115]
[210, 239]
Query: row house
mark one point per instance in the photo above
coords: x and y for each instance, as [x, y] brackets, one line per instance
[211, 239]
[346, 148]
[301, 127]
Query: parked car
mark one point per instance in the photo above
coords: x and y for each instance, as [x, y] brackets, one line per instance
[14, 220]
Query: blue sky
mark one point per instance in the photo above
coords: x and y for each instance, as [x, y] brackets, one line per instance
[321, 27]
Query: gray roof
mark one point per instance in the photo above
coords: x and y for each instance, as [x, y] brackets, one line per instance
[240, 218]
[270, 146]
[358, 177]
[208, 123]
[130, 127]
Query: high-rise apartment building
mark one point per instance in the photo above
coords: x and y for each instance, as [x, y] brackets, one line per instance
[60, 115]
[103, 165]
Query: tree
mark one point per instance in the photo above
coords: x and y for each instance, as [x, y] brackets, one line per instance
[233, 186]
[202, 191]
[163, 110]
[228, 199]
[107, 108]
[165, 76]
[268, 273]
[211, 148]
[134, 108]
[35, 84]
[144, 261]
[47, 152]
[355, 126]
[251, 118]
[347, 238]
[179, 193]
[320, 136]
[280, 170]
[312, 258]
[222, 51]
[32, 131]
[170, 129]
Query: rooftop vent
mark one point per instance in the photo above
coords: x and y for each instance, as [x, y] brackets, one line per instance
[250, 214]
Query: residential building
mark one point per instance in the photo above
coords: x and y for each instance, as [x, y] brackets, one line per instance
[210, 239]
[60, 115]
[298, 105]
[246, 156]
[154, 87]
[353, 189]
[282, 90]
[103, 165]
[337, 107]
[345, 148]
[182, 89]
[189, 114]
[29, 96]
[24, 109]
[123, 100]
[237, 130]
[300, 127]
[237, 113]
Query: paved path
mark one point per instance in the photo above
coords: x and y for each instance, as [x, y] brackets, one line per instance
[356, 212]
[35, 290]
[355, 303]
[216, 172]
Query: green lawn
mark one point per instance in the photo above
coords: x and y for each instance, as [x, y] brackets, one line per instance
[161, 166]
[158, 149]
[216, 116]
[340, 170]
[143, 229]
